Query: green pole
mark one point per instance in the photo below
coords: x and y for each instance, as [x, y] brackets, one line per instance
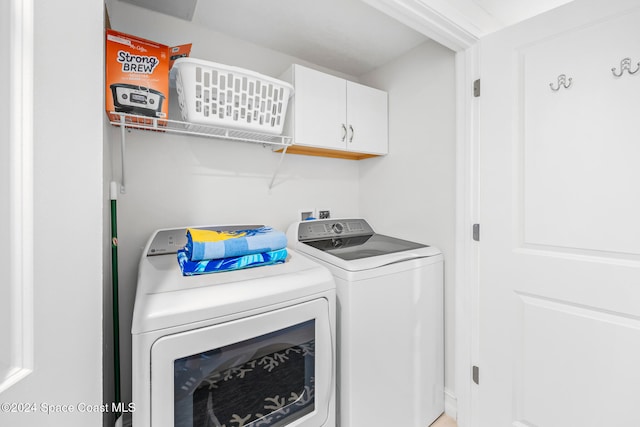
[114, 282]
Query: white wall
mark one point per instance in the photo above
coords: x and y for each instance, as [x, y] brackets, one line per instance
[108, 368]
[176, 180]
[67, 263]
[179, 180]
[410, 193]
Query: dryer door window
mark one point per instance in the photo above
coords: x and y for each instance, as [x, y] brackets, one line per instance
[264, 381]
[271, 369]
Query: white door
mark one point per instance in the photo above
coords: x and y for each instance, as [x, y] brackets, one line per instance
[559, 195]
[50, 183]
[367, 119]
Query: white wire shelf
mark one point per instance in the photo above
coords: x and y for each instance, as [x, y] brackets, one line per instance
[132, 121]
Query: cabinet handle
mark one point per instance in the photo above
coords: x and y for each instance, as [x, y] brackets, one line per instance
[344, 132]
[352, 133]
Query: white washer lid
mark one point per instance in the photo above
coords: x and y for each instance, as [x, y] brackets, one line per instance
[374, 251]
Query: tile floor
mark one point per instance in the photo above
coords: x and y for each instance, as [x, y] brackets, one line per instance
[444, 421]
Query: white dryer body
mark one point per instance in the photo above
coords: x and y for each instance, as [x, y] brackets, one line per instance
[193, 334]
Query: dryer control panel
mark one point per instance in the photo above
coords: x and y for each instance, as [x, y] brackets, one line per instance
[169, 241]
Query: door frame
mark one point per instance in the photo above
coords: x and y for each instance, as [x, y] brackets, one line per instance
[456, 32]
[20, 80]
[466, 249]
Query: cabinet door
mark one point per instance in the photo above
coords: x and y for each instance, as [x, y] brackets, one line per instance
[320, 109]
[367, 120]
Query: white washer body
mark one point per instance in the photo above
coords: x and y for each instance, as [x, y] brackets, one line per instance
[390, 334]
[175, 316]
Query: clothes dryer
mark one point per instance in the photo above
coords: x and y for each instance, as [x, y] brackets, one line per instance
[248, 347]
[390, 321]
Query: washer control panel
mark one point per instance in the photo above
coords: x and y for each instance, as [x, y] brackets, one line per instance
[329, 228]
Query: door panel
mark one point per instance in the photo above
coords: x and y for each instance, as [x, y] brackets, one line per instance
[559, 275]
[16, 193]
[565, 345]
[578, 148]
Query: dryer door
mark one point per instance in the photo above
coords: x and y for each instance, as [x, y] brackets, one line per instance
[271, 369]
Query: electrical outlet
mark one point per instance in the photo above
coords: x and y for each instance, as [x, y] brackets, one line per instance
[324, 213]
[305, 214]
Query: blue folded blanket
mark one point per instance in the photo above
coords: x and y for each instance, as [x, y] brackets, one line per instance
[192, 268]
[211, 244]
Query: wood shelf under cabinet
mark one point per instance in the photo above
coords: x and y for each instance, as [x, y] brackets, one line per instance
[324, 152]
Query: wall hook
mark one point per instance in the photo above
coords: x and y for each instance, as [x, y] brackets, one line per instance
[562, 81]
[625, 64]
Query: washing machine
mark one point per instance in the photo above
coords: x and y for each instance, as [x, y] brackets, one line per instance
[390, 321]
[248, 347]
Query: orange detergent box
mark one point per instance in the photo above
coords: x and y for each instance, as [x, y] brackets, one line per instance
[137, 75]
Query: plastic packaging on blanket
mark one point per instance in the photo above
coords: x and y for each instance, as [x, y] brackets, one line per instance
[211, 244]
[192, 268]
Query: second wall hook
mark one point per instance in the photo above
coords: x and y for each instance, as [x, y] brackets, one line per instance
[625, 64]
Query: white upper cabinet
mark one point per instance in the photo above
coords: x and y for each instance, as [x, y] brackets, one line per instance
[333, 117]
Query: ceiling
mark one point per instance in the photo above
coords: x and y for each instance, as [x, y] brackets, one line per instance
[509, 12]
[349, 36]
[324, 32]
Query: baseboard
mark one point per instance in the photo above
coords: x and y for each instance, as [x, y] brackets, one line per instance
[450, 404]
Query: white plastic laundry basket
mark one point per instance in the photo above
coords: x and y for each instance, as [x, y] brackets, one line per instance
[222, 95]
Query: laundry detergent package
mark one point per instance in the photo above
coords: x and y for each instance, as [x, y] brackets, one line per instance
[137, 75]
